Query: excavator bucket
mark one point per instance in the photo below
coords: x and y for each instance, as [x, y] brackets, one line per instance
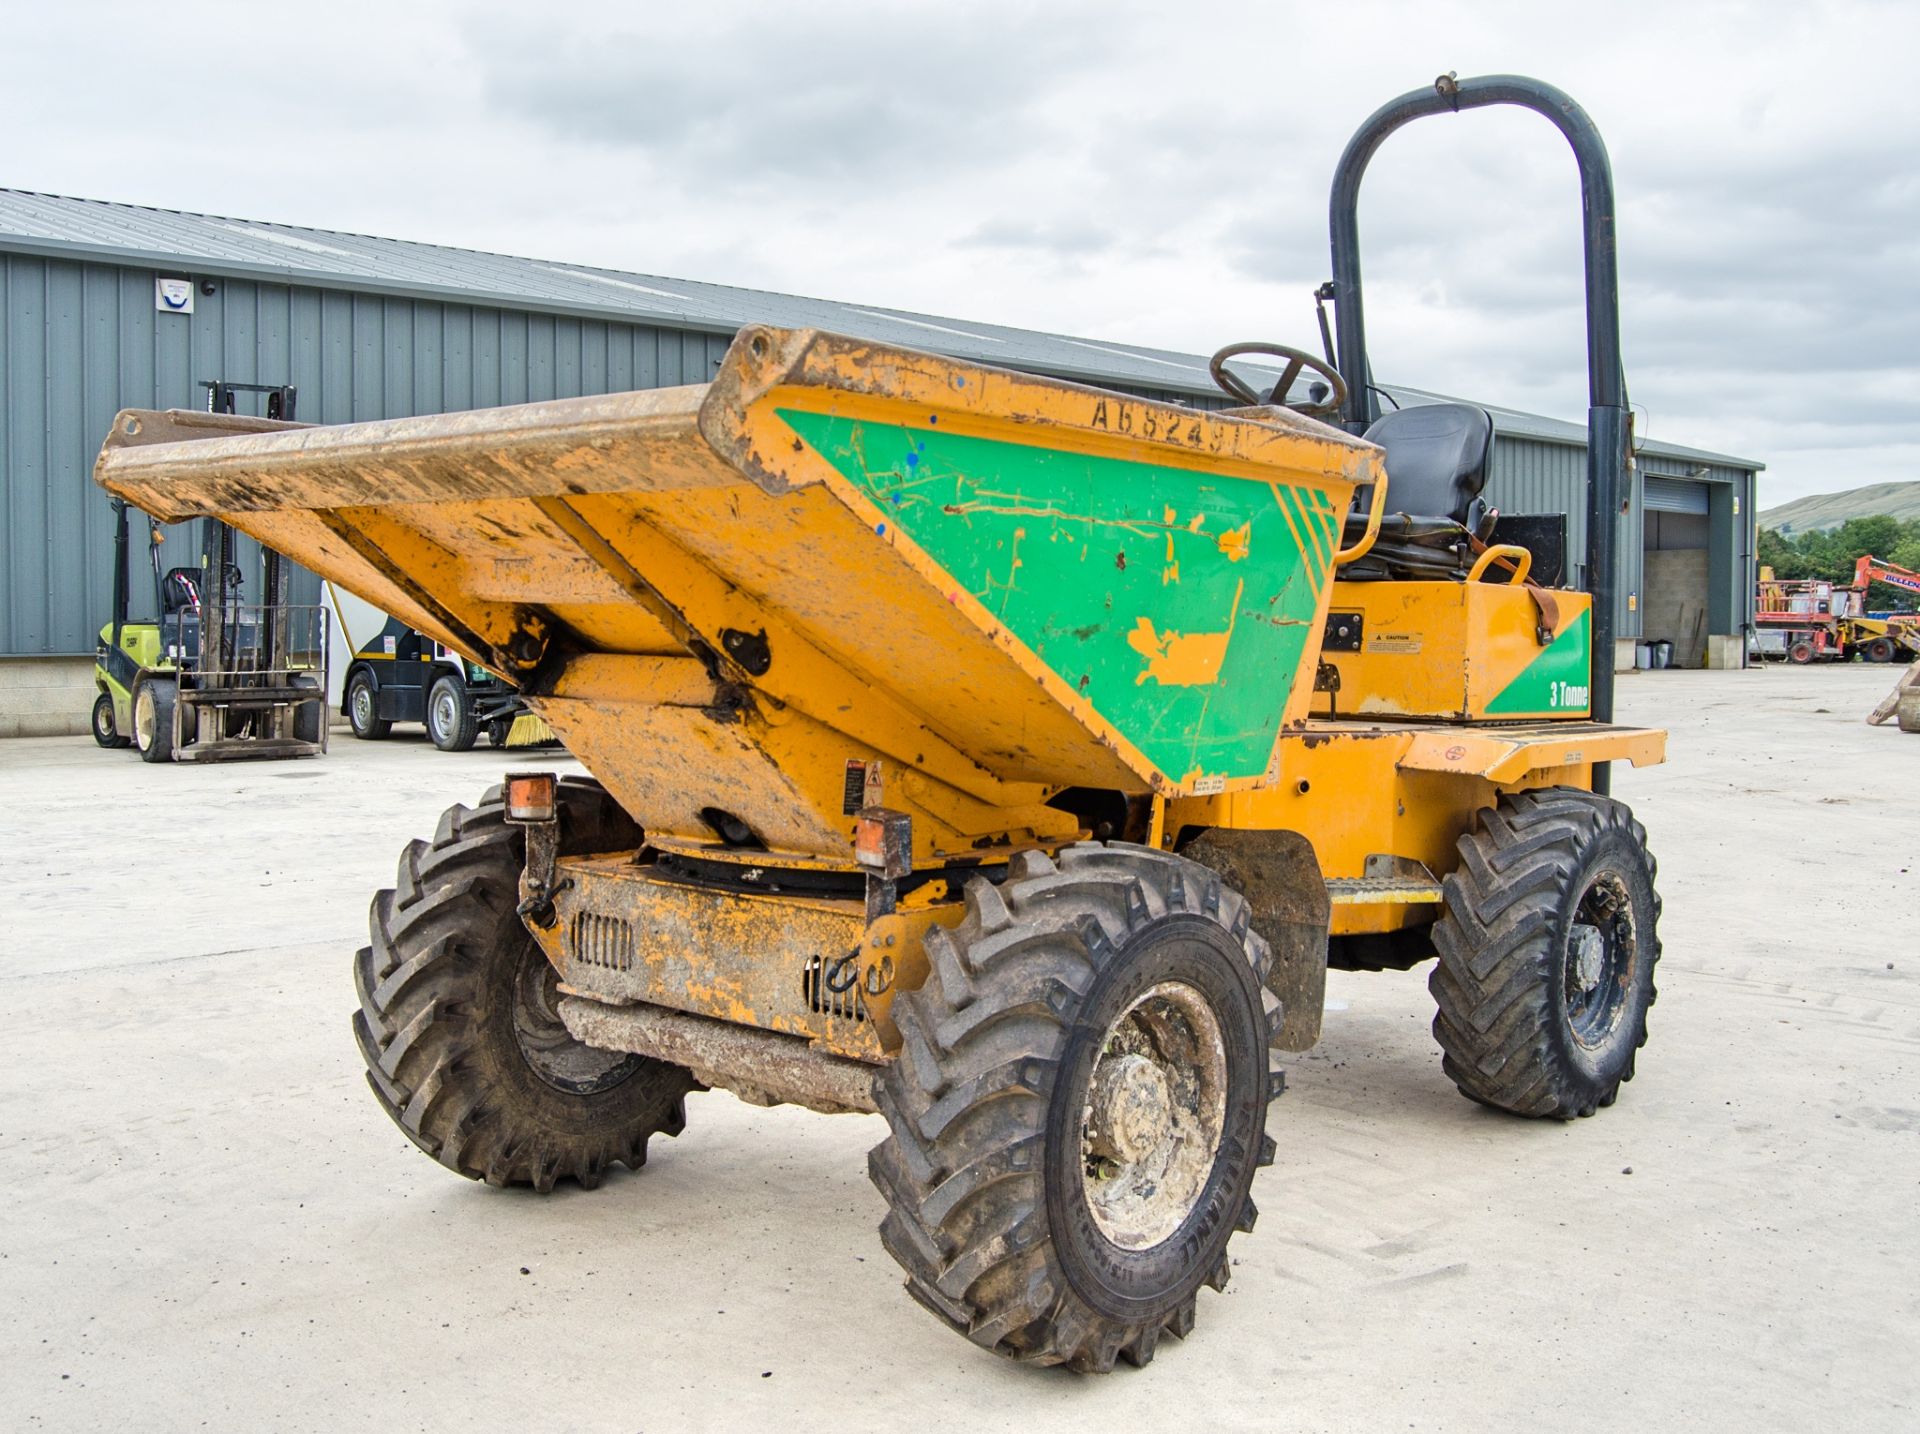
[839, 575]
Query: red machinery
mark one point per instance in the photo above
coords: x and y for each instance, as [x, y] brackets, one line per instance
[1872, 569]
[1806, 619]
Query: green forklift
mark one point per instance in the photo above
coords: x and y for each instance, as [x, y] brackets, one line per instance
[210, 677]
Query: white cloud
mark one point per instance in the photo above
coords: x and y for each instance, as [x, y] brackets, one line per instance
[1130, 174]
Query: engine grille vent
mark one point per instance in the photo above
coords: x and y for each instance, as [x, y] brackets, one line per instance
[603, 941]
[832, 987]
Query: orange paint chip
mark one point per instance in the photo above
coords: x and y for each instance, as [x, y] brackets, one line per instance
[1177, 659]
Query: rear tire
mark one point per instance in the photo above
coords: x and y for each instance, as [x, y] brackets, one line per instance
[153, 702]
[456, 1020]
[450, 717]
[1800, 653]
[104, 731]
[363, 708]
[1547, 943]
[1880, 650]
[1029, 1210]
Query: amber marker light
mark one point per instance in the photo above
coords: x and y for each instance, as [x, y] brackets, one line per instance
[530, 796]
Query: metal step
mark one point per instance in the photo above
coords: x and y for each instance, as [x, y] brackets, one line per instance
[1383, 890]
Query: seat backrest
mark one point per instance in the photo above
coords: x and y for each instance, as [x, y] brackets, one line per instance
[1436, 457]
[179, 589]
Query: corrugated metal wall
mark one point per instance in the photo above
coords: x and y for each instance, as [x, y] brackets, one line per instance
[82, 341]
[1530, 475]
[79, 342]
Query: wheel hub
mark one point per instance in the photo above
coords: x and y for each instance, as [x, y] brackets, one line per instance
[1131, 1114]
[546, 1045]
[1600, 960]
[1588, 948]
[1156, 1108]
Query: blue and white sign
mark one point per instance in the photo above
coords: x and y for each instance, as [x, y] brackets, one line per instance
[173, 296]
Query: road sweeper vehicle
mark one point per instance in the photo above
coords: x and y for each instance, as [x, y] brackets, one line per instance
[1006, 756]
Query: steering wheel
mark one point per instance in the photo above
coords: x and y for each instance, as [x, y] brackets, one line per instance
[1236, 387]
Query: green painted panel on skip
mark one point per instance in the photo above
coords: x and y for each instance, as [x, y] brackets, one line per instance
[1178, 603]
[1557, 681]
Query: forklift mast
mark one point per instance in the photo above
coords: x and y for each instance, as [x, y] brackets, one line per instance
[216, 543]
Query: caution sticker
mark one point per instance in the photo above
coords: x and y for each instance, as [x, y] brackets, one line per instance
[1393, 642]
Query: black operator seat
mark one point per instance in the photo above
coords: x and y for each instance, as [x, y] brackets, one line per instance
[180, 588]
[1436, 460]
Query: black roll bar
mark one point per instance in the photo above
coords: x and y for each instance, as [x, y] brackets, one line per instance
[1608, 421]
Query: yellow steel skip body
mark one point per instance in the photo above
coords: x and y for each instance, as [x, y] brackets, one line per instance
[846, 576]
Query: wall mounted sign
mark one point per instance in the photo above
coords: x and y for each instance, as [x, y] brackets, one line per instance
[173, 296]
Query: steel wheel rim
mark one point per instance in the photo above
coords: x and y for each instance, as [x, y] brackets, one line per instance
[445, 713]
[143, 719]
[362, 706]
[546, 1045]
[1599, 964]
[1155, 1113]
[103, 717]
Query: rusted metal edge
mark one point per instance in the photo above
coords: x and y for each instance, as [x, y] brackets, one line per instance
[761, 1067]
[1506, 754]
[232, 461]
[141, 428]
[763, 359]
[337, 523]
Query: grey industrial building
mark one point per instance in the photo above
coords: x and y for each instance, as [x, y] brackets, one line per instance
[108, 306]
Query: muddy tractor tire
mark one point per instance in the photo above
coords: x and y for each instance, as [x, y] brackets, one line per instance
[1079, 1105]
[457, 1024]
[1547, 942]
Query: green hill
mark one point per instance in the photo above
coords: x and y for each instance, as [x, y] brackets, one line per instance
[1830, 510]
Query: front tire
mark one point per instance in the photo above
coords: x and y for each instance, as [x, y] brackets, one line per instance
[450, 716]
[1078, 1105]
[1547, 944]
[457, 1024]
[1800, 653]
[310, 717]
[153, 702]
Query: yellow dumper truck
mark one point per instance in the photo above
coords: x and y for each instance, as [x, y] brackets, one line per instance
[1006, 756]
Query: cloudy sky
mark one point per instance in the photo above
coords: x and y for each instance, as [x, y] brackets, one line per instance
[1146, 173]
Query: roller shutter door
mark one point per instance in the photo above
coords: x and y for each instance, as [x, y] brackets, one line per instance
[1675, 495]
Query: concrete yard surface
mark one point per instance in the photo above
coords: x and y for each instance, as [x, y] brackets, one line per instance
[210, 1224]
